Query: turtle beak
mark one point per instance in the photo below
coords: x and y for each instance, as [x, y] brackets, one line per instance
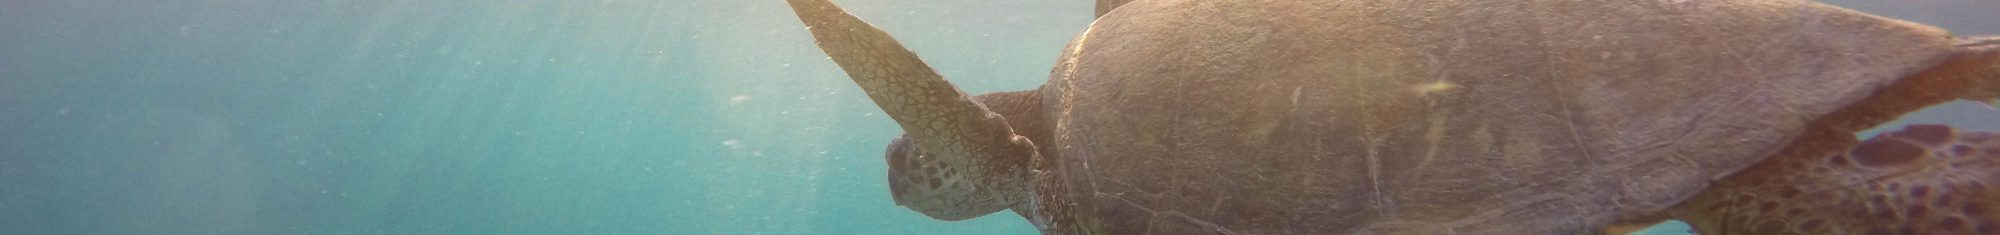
[898, 157]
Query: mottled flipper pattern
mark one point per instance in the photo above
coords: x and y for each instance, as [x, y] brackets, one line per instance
[1924, 179]
[959, 159]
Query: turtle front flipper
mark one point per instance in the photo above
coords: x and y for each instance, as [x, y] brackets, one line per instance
[1924, 179]
[968, 159]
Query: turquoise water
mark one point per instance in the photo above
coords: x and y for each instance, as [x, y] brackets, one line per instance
[495, 117]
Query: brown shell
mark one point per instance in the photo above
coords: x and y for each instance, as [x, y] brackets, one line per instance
[1476, 117]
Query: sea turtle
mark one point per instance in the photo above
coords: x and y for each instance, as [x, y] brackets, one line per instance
[1418, 117]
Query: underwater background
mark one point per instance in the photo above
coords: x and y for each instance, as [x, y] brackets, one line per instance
[508, 117]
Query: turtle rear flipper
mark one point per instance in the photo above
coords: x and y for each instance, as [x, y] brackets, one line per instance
[1981, 58]
[1924, 179]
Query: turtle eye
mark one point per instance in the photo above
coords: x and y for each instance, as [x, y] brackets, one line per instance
[897, 148]
[903, 155]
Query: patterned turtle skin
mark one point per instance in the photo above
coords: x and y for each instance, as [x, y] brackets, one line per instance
[1924, 179]
[1405, 117]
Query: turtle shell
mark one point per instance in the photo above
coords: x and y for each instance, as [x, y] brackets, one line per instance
[1480, 117]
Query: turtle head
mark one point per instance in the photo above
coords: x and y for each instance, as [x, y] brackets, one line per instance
[926, 182]
[917, 180]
